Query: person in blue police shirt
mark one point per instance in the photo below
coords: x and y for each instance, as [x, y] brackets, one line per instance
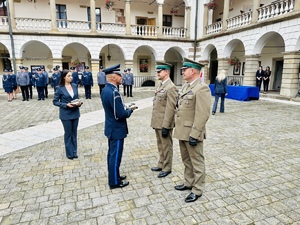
[101, 78]
[87, 82]
[130, 82]
[8, 84]
[75, 76]
[69, 114]
[39, 78]
[115, 125]
[55, 78]
[23, 82]
[45, 73]
[31, 81]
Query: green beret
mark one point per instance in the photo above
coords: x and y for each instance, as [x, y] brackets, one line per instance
[187, 63]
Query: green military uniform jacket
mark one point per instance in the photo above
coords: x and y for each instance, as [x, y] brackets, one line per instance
[193, 111]
[164, 106]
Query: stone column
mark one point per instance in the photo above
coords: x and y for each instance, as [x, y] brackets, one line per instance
[297, 5]
[128, 17]
[225, 14]
[57, 61]
[223, 65]
[93, 15]
[256, 5]
[53, 15]
[251, 66]
[205, 19]
[188, 21]
[94, 70]
[19, 62]
[205, 71]
[160, 19]
[129, 64]
[12, 14]
[290, 74]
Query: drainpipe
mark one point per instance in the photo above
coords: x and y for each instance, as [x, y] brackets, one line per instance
[196, 29]
[11, 38]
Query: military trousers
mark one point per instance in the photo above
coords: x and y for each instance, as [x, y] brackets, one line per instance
[194, 166]
[165, 150]
[114, 158]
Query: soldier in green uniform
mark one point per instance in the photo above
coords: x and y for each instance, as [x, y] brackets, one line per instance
[163, 118]
[192, 114]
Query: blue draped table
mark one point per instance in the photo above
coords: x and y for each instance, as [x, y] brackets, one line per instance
[241, 93]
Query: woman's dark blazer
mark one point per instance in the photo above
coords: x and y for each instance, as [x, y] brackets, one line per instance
[62, 98]
[221, 87]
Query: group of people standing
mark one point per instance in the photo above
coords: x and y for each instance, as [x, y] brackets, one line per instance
[186, 111]
[127, 82]
[25, 80]
[263, 76]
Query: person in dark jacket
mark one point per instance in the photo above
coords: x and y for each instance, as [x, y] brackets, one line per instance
[69, 114]
[266, 79]
[8, 83]
[259, 77]
[220, 91]
[87, 82]
[115, 125]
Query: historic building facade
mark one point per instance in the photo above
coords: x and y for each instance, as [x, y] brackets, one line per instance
[222, 34]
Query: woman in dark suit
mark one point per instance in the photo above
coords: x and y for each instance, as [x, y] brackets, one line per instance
[220, 91]
[266, 79]
[69, 113]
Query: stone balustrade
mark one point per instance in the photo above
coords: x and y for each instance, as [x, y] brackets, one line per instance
[144, 30]
[274, 9]
[70, 25]
[214, 28]
[140, 80]
[239, 21]
[110, 28]
[174, 32]
[33, 24]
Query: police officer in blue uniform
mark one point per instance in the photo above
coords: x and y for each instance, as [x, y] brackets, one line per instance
[8, 83]
[75, 76]
[15, 87]
[124, 81]
[23, 82]
[40, 83]
[87, 82]
[115, 125]
[101, 78]
[130, 82]
[55, 78]
[31, 81]
[45, 73]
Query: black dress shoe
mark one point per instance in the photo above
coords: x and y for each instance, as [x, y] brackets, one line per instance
[182, 187]
[120, 185]
[192, 197]
[71, 158]
[75, 156]
[163, 174]
[156, 169]
[123, 177]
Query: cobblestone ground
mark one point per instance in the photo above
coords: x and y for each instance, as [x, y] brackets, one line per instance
[252, 166]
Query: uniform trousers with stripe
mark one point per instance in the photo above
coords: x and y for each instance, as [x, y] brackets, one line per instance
[194, 166]
[114, 158]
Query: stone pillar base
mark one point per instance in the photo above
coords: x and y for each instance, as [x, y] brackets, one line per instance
[94, 70]
[251, 66]
[290, 74]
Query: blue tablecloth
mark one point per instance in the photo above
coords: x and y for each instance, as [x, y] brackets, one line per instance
[241, 93]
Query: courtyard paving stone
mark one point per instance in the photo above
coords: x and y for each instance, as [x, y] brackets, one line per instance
[252, 168]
